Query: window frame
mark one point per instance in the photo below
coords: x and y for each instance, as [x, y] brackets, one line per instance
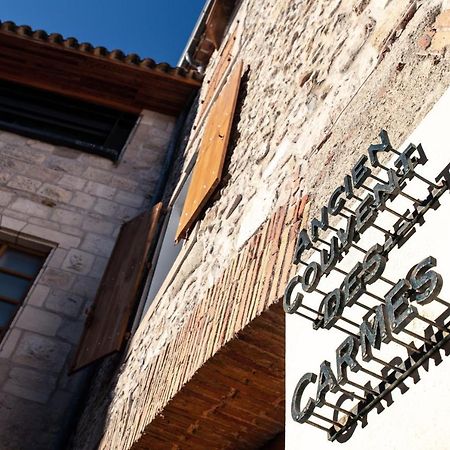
[4, 246]
[147, 307]
[62, 120]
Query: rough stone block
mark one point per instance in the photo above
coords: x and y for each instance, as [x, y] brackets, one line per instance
[56, 258]
[11, 138]
[71, 330]
[24, 153]
[44, 223]
[66, 217]
[42, 173]
[441, 40]
[158, 142]
[57, 278]
[30, 384]
[82, 200]
[98, 175]
[74, 231]
[38, 295]
[4, 371]
[98, 245]
[64, 302]
[38, 320]
[96, 161]
[64, 240]
[129, 199]
[12, 165]
[124, 183]
[159, 133]
[99, 267]
[66, 152]
[392, 15]
[9, 343]
[11, 224]
[98, 225]
[443, 20]
[40, 145]
[106, 207]
[100, 190]
[78, 261]
[31, 208]
[72, 183]
[424, 41]
[41, 352]
[86, 287]
[55, 193]
[24, 183]
[157, 120]
[150, 156]
[126, 212]
[16, 215]
[4, 177]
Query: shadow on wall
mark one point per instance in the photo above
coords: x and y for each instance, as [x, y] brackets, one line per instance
[97, 397]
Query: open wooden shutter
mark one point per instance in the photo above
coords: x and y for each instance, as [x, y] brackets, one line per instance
[226, 56]
[217, 20]
[107, 323]
[211, 156]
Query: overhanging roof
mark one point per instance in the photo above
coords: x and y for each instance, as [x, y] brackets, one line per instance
[235, 400]
[111, 78]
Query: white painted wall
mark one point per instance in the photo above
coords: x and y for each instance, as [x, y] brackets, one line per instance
[419, 418]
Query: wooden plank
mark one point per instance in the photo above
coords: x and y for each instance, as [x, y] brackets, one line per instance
[93, 78]
[208, 168]
[213, 82]
[216, 22]
[116, 296]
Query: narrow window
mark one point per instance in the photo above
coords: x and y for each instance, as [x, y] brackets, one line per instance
[64, 121]
[18, 269]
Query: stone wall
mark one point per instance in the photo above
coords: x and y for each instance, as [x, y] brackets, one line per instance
[323, 77]
[75, 202]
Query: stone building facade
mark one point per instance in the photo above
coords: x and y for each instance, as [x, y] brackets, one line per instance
[75, 203]
[204, 366]
[320, 80]
[72, 204]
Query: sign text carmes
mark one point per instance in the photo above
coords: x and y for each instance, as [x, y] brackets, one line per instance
[383, 323]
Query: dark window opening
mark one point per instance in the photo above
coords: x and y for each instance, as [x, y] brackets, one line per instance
[64, 121]
[18, 269]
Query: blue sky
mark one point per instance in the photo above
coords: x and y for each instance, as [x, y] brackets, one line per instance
[158, 29]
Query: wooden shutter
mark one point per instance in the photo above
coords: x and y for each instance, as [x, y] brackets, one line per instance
[211, 156]
[217, 21]
[107, 323]
[225, 58]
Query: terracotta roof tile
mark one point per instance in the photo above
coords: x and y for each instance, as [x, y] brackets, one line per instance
[72, 43]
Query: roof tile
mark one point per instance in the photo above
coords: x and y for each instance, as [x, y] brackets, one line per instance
[72, 43]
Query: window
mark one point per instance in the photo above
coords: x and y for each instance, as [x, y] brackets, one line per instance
[18, 270]
[107, 324]
[168, 249]
[61, 120]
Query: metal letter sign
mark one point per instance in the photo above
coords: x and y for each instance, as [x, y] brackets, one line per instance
[387, 321]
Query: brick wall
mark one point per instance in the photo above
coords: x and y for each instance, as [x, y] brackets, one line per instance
[323, 77]
[77, 202]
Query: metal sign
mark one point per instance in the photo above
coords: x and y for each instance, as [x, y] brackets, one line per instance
[386, 318]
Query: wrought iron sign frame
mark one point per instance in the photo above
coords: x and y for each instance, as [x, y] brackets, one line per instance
[385, 322]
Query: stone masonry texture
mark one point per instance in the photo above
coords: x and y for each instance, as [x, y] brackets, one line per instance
[77, 202]
[322, 78]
